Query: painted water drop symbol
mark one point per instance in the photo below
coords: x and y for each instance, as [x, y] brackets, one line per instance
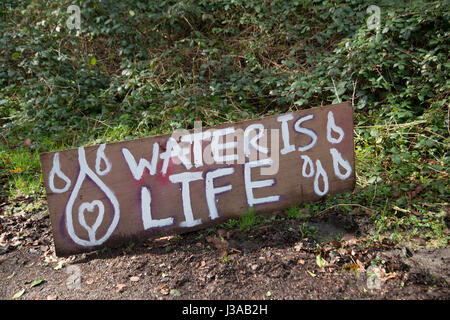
[331, 125]
[89, 206]
[338, 160]
[56, 170]
[320, 172]
[307, 163]
[101, 156]
[85, 171]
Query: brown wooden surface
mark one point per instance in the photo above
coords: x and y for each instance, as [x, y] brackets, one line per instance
[166, 197]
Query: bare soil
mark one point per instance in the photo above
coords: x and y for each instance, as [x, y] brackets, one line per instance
[272, 260]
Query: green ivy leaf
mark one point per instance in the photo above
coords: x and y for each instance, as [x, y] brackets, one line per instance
[37, 282]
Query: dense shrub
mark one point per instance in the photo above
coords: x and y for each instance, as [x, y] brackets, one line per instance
[167, 63]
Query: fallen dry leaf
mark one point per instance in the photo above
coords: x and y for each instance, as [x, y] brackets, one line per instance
[223, 253]
[235, 251]
[135, 279]
[349, 239]
[390, 276]
[164, 291]
[120, 287]
[298, 246]
[224, 233]
[432, 161]
[336, 244]
[165, 238]
[353, 267]
[52, 297]
[27, 143]
[361, 267]
[217, 242]
[417, 190]
[301, 261]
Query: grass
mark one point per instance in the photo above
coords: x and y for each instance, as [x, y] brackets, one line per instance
[294, 212]
[22, 169]
[248, 219]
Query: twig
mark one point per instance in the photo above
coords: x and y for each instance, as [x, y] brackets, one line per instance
[4, 138]
[437, 134]
[343, 204]
[438, 171]
[426, 137]
[192, 28]
[415, 12]
[401, 125]
[234, 105]
[354, 90]
[374, 194]
[448, 119]
[335, 91]
[441, 204]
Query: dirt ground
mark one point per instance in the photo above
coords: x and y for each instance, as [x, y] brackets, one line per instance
[273, 260]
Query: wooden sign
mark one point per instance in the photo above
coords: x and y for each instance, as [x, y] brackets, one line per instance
[114, 193]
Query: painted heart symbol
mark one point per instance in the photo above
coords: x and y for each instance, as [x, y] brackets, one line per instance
[90, 206]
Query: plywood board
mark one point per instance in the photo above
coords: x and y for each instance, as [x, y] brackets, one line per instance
[113, 193]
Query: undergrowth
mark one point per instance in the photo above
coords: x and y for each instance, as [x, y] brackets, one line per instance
[138, 68]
